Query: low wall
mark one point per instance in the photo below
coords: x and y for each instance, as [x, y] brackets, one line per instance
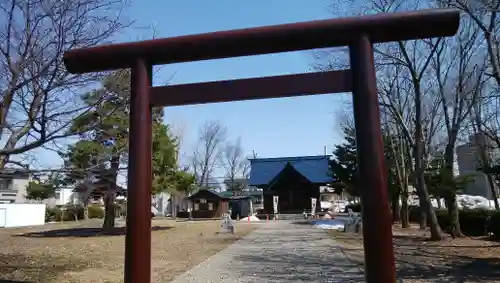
[21, 214]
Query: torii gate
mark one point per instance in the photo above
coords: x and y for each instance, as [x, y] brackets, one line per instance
[358, 33]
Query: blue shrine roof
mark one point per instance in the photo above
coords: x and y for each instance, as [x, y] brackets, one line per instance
[314, 168]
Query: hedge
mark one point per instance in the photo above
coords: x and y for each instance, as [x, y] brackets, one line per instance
[72, 212]
[473, 222]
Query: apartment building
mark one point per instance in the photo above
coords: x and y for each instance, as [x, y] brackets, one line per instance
[469, 160]
[13, 186]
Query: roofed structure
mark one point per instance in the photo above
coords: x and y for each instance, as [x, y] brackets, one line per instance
[313, 168]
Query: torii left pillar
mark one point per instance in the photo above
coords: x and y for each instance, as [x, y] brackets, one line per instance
[138, 240]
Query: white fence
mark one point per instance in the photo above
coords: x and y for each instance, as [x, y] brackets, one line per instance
[21, 214]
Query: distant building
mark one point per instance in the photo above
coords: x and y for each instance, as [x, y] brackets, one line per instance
[13, 186]
[62, 196]
[295, 180]
[469, 161]
[256, 195]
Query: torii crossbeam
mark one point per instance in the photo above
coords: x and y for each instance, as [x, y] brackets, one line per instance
[358, 33]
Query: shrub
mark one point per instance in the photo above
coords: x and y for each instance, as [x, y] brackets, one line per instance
[96, 211]
[52, 214]
[476, 222]
[356, 207]
[494, 226]
[70, 213]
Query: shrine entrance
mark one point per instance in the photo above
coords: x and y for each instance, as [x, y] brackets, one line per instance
[358, 33]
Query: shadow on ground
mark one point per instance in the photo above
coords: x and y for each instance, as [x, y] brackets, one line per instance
[18, 268]
[416, 263]
[292, 267]
[302, 222]
[84, 232]
[429, 264]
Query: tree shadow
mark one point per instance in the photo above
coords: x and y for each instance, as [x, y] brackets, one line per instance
[420, 264]
[83, 232]
[18, 268]
[429, 264]
[282, 266]
[415, 239]
[302, 222]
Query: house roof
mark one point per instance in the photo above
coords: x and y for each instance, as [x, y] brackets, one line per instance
[218, 195]
[14, 173]
[314, 168]
[205, 191]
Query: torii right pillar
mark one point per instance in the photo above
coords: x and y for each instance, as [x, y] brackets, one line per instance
[379, 256]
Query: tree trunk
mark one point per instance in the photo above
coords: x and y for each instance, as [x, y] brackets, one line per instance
[405, 217]
[424, 198]
[451, 196]
[486, 166]
[491, 184]
[435, 229]
[421, 206]
[423, 217]
[396, 209]
[438, 201]
[86, 211]
[451, 201]
[109, 198]
[109, 211]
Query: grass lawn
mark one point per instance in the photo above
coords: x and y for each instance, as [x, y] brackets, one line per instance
[79, 252]
[418, 260]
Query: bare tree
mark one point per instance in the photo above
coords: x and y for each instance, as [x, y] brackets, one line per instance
[38, 101]
[399, 146]
[459, 67]
[208, 151]
[234, 162]
[420, 122]
[478, 127]
[484, 13]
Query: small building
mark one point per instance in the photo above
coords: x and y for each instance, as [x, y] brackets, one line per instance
[295, 180]
[255, 195]
[209, 204]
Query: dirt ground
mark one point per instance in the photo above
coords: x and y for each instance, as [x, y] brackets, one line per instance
[80, 252]
[418, 260]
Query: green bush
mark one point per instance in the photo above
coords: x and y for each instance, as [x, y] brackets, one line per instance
[52, 214]
[68, 213]
[356, 207]
[96, 211]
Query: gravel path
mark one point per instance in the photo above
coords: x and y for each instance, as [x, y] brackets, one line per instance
[278, 251]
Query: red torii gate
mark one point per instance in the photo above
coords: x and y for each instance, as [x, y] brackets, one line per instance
[358, 33]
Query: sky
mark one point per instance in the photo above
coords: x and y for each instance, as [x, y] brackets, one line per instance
[272, 128]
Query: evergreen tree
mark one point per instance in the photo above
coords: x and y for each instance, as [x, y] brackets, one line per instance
[95, 159]
[344, 168]
[344, 165]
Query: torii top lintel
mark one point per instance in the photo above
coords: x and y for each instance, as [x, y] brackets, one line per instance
[383, 27]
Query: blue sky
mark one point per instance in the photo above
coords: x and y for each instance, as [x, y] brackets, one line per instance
[273, 128]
